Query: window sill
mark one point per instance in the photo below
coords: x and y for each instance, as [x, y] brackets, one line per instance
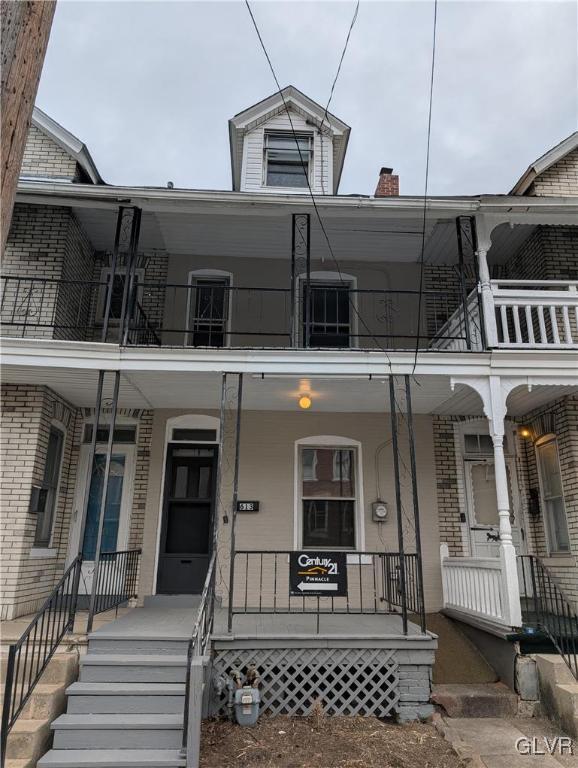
[44, 552]
[558, 559]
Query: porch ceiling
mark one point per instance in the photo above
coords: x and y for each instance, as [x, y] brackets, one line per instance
[202, 390]
[355, 235]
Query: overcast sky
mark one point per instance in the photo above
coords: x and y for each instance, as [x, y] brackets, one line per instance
[149, 86]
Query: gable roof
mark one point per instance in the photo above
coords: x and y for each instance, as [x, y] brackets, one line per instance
[274, 104]
[67, 142]
[542, 164]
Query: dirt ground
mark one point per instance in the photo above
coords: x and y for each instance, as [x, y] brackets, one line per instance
[324, 742]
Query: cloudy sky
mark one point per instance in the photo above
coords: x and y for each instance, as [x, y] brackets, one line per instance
[149, 86]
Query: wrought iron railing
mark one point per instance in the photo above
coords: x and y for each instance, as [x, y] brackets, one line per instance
[375, 585]
[197, 649]
[28, 658]
[30, 655]
[220, 315]
[116, 580]
[546, 607]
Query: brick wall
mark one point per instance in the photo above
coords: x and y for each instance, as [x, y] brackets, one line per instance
[28, 412]
[43, 157]
[550, 253]
[46, 242]
[561, 179]
[564, 413]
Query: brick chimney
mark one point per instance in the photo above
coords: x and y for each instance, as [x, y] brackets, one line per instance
[388, 184]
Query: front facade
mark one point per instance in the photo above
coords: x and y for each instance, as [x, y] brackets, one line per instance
[253, 346]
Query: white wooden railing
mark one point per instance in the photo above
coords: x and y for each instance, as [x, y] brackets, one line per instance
[532, 314]
[476, 586]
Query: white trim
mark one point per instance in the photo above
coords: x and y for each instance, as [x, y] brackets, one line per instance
[329, 441]
[184, 421]
[210, 273]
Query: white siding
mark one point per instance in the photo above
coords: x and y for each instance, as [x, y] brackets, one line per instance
[252, 169]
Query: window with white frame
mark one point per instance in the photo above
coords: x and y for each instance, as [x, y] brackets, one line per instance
[552, 494]
[328, 494]
[49, 488]
[208, 311]
[117, 293]
[287, 159]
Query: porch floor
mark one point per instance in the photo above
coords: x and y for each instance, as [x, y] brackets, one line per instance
[299, 625]
[160, 617]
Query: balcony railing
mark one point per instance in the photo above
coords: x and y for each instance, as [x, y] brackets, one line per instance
[220, 315]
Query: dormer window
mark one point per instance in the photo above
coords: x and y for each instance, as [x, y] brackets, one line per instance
[287, 159]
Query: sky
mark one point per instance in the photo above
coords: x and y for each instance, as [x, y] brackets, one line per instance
[149, 86]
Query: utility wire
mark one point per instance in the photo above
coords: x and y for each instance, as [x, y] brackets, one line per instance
[422, 255]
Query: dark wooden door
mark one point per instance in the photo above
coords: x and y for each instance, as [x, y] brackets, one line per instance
[188, 509]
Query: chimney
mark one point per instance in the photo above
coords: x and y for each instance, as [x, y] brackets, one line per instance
[388, 184]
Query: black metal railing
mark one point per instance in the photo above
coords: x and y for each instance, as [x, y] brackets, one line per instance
[49, 308]
[199, 643]
[116, 580]
[30, 655]
[545, 607]
[374, 586]
[221, 315]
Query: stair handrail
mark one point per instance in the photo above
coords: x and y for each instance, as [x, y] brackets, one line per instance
[555, 615]
[36, 646]
[196, 651]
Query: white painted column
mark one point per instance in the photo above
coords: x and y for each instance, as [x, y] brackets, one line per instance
[511, 589]
[487, 299]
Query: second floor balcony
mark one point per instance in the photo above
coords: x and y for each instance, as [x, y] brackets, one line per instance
[210, 312]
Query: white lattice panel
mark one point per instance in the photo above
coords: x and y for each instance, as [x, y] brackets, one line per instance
[348, 681]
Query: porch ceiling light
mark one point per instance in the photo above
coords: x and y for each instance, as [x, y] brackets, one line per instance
[305, 402]
[525, 432]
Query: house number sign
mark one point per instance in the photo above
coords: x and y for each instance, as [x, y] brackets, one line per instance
[319, 574]
[247, 506]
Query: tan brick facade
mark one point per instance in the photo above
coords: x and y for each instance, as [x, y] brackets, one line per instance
[44, 158]
[559, 180]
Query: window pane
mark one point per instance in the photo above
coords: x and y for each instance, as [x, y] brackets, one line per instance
[286, 175]
[194, 435]
[557, 525]
[334, 475]
[328, 523]
[113, 504]
[550, 470]
[47, 505]
[484, 493]
[208, 309]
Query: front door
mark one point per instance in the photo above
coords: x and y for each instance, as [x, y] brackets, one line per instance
[482, 505]
[116, 513]
[188, 508]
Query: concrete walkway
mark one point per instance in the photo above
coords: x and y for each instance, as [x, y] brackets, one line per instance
[490, 742]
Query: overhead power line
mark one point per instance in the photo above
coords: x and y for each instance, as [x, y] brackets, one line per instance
[422, 254]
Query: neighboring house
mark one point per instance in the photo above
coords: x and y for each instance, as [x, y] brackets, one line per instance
[175, 288]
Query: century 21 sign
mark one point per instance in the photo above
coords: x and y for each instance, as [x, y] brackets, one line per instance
[318, 574]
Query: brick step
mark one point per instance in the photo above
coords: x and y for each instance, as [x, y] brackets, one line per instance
[62, 668]
[28, 739]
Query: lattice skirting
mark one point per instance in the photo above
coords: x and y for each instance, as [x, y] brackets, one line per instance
[347, 681]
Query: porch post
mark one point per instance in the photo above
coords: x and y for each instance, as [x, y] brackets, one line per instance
[464, 294]
[300, 264]
[400, 540]
[103, 500]
[511, 594]
[489, 319]
[128, 296]
[234, 509]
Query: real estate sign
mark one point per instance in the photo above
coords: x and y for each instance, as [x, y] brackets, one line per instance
[318, 574]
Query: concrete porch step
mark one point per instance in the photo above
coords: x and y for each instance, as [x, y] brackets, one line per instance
[126, 698]
[20, 763]
[113, 758]
[28, 740]
[480, 700]
[117, 731]
[131, 668]
[558, 691]
[62, 668]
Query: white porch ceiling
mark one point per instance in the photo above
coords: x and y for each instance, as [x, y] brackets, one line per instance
[177, 389]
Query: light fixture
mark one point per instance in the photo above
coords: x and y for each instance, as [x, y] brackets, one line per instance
[525, 432]
[305, 402]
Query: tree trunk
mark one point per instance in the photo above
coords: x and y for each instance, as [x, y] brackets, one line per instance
[25, 32]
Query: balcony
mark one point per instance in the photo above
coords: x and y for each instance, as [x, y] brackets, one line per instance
[214, 314]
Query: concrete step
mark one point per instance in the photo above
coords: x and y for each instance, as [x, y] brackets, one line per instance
[130, 668]
[117, 731]
[113, 758]
[20, 763]
[558, 691]
[62, 668]
[111, 644]
[126, 698]
[553, 668]
[45, 702]
[568, 708]
[28, 739]
[481, 700]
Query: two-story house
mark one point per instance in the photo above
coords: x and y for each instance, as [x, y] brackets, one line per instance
[199, 386]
